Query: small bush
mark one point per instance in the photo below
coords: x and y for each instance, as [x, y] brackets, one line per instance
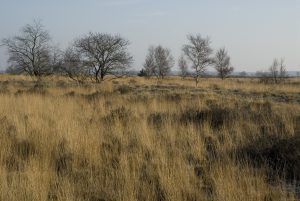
[142, 73]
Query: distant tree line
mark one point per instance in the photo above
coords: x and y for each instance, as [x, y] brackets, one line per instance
[96, 55]
[196, 55]
[276, 73]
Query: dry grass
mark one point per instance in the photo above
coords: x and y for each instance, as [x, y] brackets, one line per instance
[137, 139]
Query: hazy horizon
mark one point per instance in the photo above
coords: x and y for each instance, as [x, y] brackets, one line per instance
[254, 33]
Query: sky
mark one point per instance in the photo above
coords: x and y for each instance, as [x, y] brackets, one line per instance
[254, 32]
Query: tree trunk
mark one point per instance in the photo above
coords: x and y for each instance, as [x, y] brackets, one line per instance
[197, 80]
[97, 76]
[102, 76]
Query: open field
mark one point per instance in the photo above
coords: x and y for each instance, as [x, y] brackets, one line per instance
[135, 139]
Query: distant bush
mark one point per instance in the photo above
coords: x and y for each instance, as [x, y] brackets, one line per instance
[142, 73]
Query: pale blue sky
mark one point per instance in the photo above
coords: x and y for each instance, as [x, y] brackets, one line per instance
[254, 32]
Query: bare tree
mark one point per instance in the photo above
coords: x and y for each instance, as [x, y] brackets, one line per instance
[222, 63]
[282, 71]
[164, 61]
[56, 60]
[277, 71]
[150, 64]
[198, 51]
[274, 73]
[30, 50]
[73, 66]
[158, 62]
[105, 53]
[183, 66]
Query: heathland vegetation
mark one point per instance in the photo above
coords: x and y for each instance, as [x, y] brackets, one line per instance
[135, 138]
[75, 126]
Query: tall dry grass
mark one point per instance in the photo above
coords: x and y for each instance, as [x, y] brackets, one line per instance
[138, 139]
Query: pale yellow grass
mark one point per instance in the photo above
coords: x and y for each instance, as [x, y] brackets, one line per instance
[97, 142]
